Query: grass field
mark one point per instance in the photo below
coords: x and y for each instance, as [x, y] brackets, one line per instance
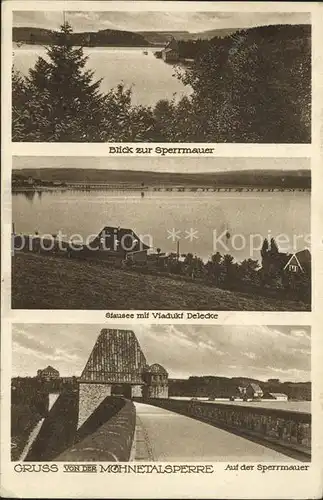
[47, 282]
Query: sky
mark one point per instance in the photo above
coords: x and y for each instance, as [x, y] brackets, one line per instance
[155, 21]
[256, 351]
[157, 164]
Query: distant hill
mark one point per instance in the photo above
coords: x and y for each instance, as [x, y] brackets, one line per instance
[162, 37]
[205, 386]
[216, 33]
[123, 38]
[279, 178]
[40, 36]
[33, 35]
[102, 38]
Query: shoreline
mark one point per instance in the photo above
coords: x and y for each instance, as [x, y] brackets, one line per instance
[29, 46]
[120, 187]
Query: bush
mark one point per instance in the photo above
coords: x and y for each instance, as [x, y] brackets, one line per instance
[252, 86]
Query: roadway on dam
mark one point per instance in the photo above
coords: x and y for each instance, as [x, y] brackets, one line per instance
[164, 436]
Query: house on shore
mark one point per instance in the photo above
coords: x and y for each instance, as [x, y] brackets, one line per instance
[284, 265]
[120, 243]
[299, 262]
[171, 51]
[253, 391]
[278, 396]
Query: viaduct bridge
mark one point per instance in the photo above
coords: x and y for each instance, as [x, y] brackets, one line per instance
[184, 188]
[121, 412]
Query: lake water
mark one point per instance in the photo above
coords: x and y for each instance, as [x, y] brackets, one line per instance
[300, 406]
[150, 78]
[247, 217]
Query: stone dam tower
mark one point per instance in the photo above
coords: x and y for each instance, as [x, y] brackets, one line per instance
[118, 367]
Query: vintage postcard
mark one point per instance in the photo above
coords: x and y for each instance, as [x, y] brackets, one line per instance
[196, 394]
[234, 77]
[162, 250]
[161, 234]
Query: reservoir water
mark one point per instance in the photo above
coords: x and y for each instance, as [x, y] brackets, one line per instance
[151, 79]
[202, 222]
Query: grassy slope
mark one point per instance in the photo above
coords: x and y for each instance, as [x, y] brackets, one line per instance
[45, 282]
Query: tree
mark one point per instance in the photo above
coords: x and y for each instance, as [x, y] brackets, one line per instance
[273, 248]
[18, 105]
[227, 261]
[253, 86]
[215, 269]
[230, 269]
[188, 261]
[264, 249]
[167, 116]
[248, 271]
[59, 100]
[216, 258]
[197, 268]
[158, 250]
[69, 98]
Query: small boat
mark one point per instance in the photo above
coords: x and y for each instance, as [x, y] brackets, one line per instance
[145, 52]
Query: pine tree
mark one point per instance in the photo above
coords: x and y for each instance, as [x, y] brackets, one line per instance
[273, 247]
[264, 248]
[61, 101]
[69, 102]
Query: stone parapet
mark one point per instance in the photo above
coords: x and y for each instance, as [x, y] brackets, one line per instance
[90, 397]
[289, 429]
[110, 442]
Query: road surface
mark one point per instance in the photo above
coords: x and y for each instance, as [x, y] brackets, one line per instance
[165, 436]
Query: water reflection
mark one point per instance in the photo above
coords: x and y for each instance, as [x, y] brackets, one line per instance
[204, 222]
[29, 195]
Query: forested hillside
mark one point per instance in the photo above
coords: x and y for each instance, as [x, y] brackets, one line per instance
[253, 86]
[277, 178]
[100, 38]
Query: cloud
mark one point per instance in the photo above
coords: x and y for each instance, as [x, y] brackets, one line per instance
[149, 20]
[252, 351]
[300, 333]
[250, 355]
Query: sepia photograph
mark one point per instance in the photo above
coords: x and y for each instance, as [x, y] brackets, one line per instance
[161, 76]
[160, 393]
[118, 233]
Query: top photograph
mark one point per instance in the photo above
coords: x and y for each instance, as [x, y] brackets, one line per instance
[161, 76]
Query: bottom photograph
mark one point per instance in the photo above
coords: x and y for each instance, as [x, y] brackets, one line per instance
[160, 393]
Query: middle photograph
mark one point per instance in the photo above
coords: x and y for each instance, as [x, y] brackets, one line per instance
[120, 233]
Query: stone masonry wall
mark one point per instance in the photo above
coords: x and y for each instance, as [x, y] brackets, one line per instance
[158, 391]
[136, 391]
[110, 442]
[90, 396]
[290, 429]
